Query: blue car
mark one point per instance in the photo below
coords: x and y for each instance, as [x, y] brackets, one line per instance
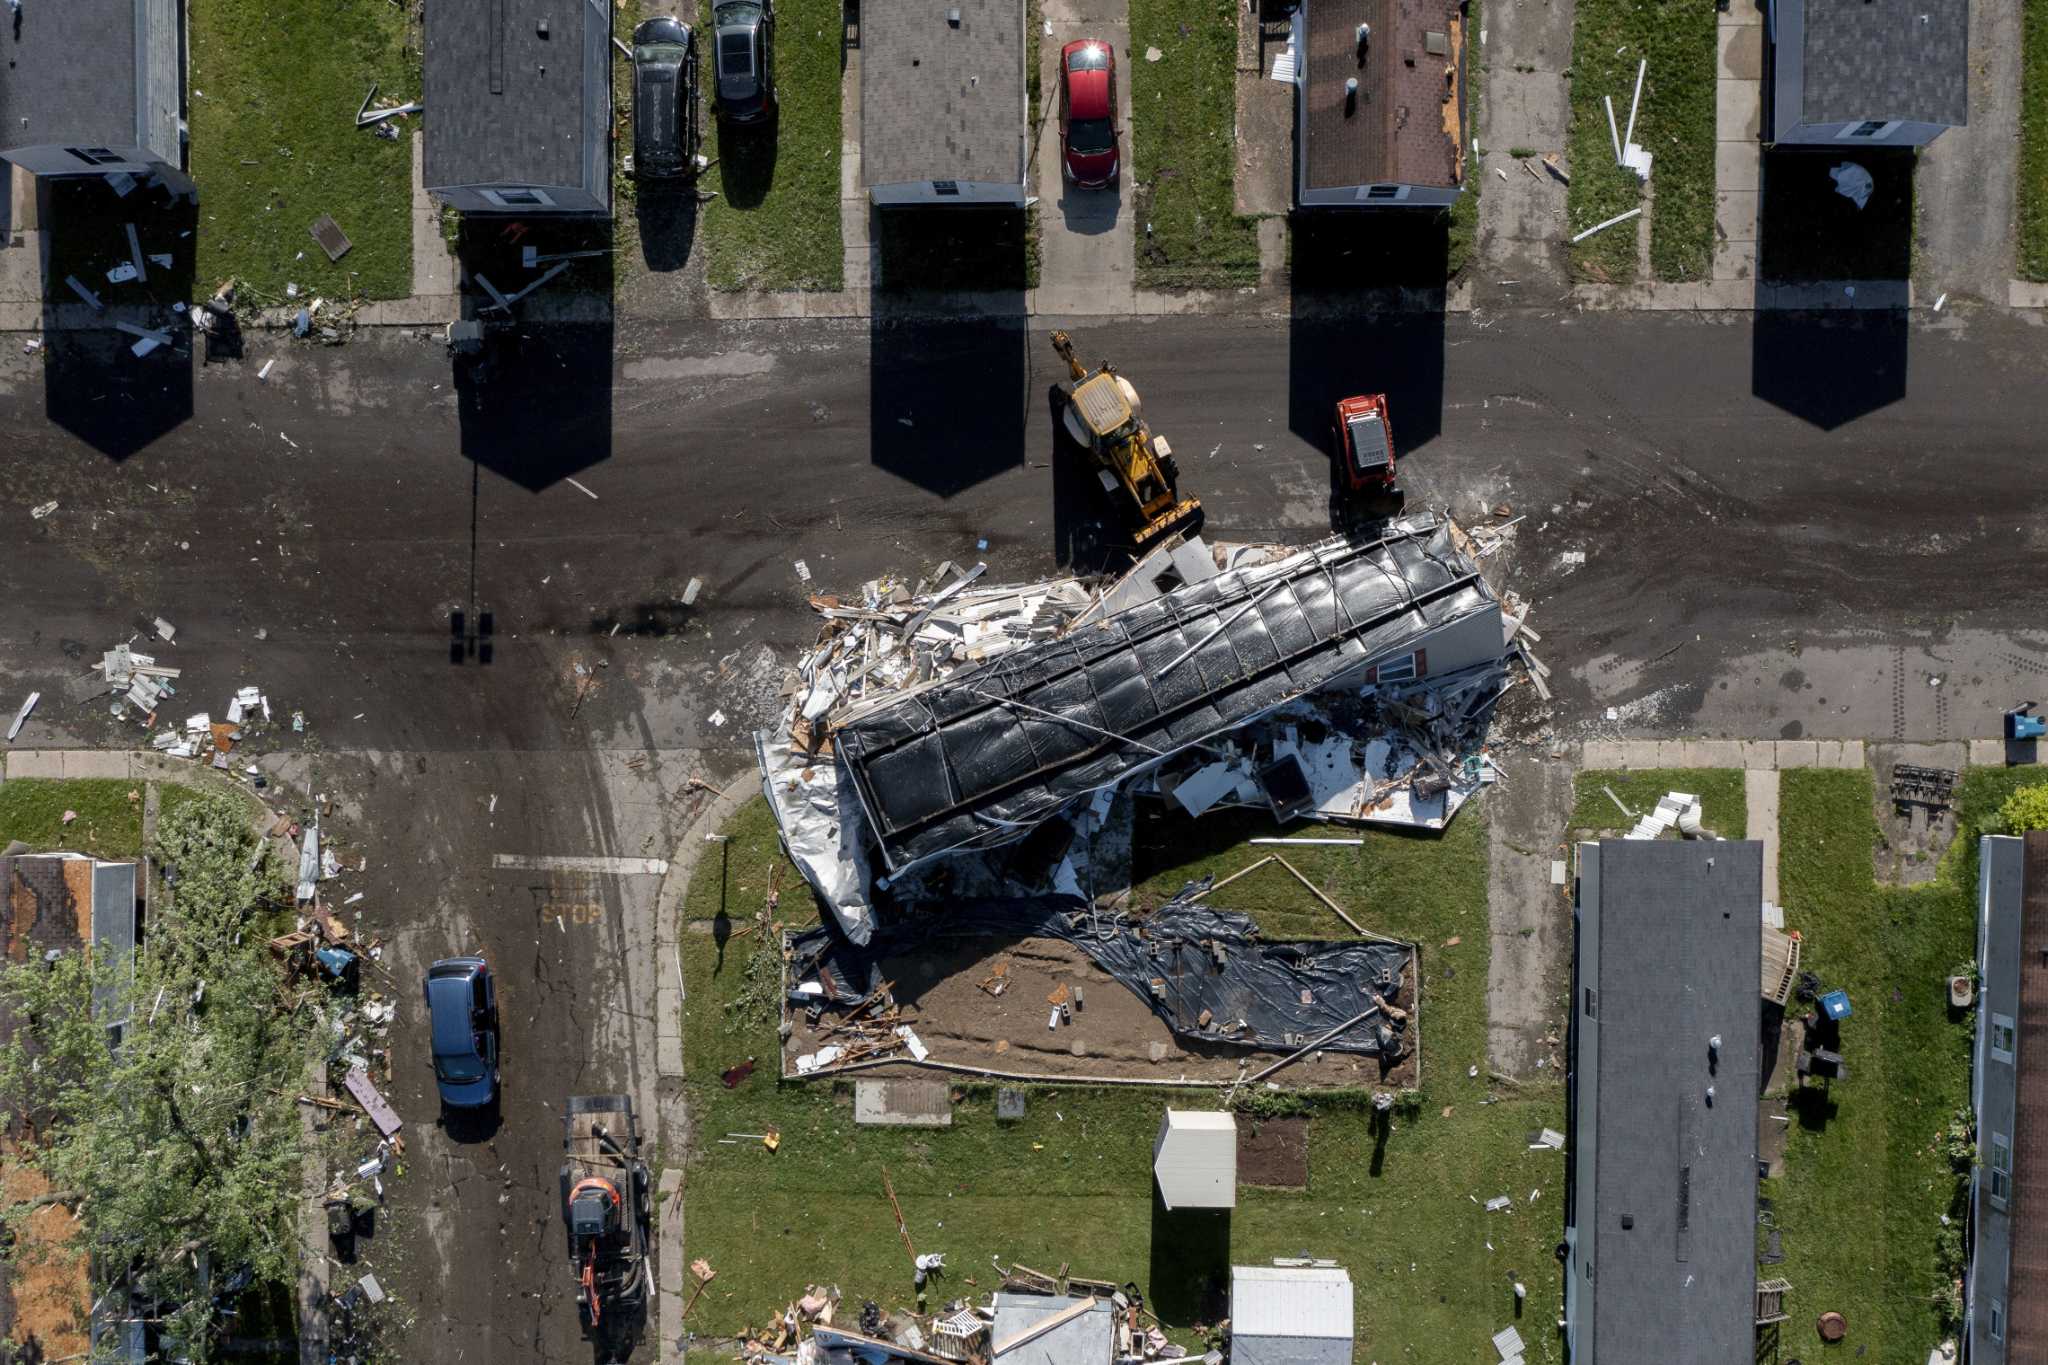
[462, 1013]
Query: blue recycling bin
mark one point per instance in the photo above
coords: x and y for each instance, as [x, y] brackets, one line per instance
[1836, 1004]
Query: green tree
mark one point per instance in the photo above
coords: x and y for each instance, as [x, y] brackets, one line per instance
[181, 1139]
[2026, 809]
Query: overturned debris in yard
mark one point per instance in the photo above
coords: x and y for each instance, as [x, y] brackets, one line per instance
[1224, 993]
[1351, 680]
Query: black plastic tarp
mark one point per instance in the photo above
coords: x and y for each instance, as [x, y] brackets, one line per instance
[998, 747]
[1257, 984]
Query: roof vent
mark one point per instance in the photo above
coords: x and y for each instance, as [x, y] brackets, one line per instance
[1364, 37]
[541, 27]
[953, 17]
[1435, 44]
[1350, 96]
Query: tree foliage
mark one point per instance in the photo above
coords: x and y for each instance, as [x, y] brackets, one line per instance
[2026, 809]
[180, 1141]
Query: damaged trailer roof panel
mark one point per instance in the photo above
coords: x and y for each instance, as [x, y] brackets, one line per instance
[981, 757]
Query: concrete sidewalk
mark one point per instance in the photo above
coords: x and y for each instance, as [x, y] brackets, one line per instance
[1738, 150]
[1721, 753]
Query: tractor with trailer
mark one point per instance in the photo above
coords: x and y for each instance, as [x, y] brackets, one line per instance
[1102, 413]
[605, 1205]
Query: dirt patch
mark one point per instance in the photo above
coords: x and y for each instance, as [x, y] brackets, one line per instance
[43, 1289]
[1916, 830]
[1273, 1153]
[1115, 1032]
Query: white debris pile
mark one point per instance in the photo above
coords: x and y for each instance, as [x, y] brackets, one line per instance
[1678, 810]
[139, 678]
[893, 637]
[143, 688]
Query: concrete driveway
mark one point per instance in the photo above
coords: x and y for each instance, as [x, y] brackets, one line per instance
[1084, 236]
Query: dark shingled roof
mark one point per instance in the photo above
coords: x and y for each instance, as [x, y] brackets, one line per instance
[1887, 59]
[70, 80]
[533, 127]
[939, 102]
[1680, 937]
[2026, 1291]
[1402, 130]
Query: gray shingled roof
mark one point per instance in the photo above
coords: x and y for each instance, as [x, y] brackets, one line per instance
[1887, 59]
[939, 102]
[507, 106]
[70, 79]
[1680, 926]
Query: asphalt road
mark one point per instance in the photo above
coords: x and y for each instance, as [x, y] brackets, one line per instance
[1780, 526]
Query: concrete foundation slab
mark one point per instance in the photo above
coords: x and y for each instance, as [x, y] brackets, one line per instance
[903, 1104]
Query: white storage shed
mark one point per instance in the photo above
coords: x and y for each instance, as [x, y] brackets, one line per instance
[1195, 1160]
[1290, 1315]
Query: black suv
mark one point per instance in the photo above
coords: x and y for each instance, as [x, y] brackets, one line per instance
[665, 131]
[744, 42]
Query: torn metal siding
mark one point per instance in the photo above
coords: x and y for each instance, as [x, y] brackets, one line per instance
[991, 751]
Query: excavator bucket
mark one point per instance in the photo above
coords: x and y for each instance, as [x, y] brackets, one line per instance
[1181, 514]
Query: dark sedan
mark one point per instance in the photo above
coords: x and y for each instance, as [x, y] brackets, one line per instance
[462, 1017]
[665, 133]
[744, 59]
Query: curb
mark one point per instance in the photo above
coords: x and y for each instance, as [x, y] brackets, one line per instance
[668, 1051]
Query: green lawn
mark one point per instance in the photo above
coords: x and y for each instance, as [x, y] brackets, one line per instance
[2032, 261]
[1184, 158]
[1675, 125]
[109, 825]
[1724, 807]
[276, 86]
[1071, 1183]
[775, 222]
[1866, 1183]
[1465, 213]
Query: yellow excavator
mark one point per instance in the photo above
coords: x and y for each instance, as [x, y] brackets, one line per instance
[1103, 414]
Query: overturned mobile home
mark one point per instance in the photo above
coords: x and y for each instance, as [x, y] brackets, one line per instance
[989, 734]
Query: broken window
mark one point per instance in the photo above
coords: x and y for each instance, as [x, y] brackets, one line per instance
[948, 188]
[1592, 1003]
[96, 156]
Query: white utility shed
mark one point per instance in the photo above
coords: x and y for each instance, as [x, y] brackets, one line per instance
[1290, 1315]
[1195, 1160]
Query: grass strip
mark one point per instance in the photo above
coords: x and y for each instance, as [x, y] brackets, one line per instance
[1184, 149]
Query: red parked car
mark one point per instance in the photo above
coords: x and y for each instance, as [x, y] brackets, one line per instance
[1088, 113]
[1365, 444]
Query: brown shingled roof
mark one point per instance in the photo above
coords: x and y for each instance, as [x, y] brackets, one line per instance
[2027, 1281]
[1405, 127]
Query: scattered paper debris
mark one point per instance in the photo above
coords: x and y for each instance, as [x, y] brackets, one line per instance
[42, 509]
